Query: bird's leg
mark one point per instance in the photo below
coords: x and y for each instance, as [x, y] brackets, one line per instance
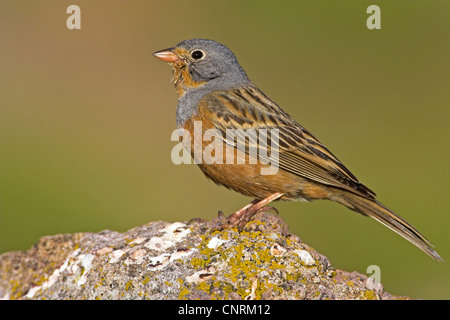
[241, 217]
[224, 219]
[241, 211]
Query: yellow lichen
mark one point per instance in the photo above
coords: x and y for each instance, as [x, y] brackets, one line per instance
[128, 285]
[370, 295]
[183, 292]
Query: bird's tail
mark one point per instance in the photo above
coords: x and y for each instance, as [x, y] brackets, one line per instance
[379, 212]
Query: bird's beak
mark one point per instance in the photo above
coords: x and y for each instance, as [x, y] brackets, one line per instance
[167, 55]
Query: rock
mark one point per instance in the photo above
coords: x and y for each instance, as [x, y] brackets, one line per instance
[180, 260]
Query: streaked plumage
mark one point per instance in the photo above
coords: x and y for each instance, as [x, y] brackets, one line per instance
[215, 90]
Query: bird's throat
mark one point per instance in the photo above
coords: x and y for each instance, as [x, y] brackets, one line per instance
[182, 80]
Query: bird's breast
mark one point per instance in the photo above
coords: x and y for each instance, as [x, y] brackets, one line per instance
[237, 170]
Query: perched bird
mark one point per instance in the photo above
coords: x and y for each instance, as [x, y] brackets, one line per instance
[214, 90]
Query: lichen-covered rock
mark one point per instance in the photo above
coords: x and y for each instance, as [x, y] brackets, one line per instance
[181, 260]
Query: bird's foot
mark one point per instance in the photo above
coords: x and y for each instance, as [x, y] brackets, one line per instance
[241, 217]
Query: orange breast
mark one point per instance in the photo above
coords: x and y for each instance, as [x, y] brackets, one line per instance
[240, 172]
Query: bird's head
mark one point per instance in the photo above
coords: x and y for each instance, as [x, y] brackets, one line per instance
[203, 63]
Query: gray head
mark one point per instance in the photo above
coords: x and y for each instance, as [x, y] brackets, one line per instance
[200, 67]
[203, 64]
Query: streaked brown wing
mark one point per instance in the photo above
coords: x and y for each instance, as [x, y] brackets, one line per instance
[299, 151]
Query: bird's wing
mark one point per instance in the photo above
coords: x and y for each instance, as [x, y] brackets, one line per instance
[300, 153]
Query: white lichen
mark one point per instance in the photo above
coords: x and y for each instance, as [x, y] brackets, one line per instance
[116, 255]
[56, 273]
[215, 242]
[171, 234]
[306, 257]
[86, 263]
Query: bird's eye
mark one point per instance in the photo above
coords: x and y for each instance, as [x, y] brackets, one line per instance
[197, 54]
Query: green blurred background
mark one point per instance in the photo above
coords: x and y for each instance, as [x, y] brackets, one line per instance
[86, 118]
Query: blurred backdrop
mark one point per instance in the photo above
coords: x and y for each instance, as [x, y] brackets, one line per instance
[86, 117]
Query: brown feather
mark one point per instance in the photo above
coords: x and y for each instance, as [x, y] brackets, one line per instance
[300, 153]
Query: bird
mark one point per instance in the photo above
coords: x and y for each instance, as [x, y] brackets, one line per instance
[215, 91]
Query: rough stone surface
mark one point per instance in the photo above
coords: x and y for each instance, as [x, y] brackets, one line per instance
[181, 260]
